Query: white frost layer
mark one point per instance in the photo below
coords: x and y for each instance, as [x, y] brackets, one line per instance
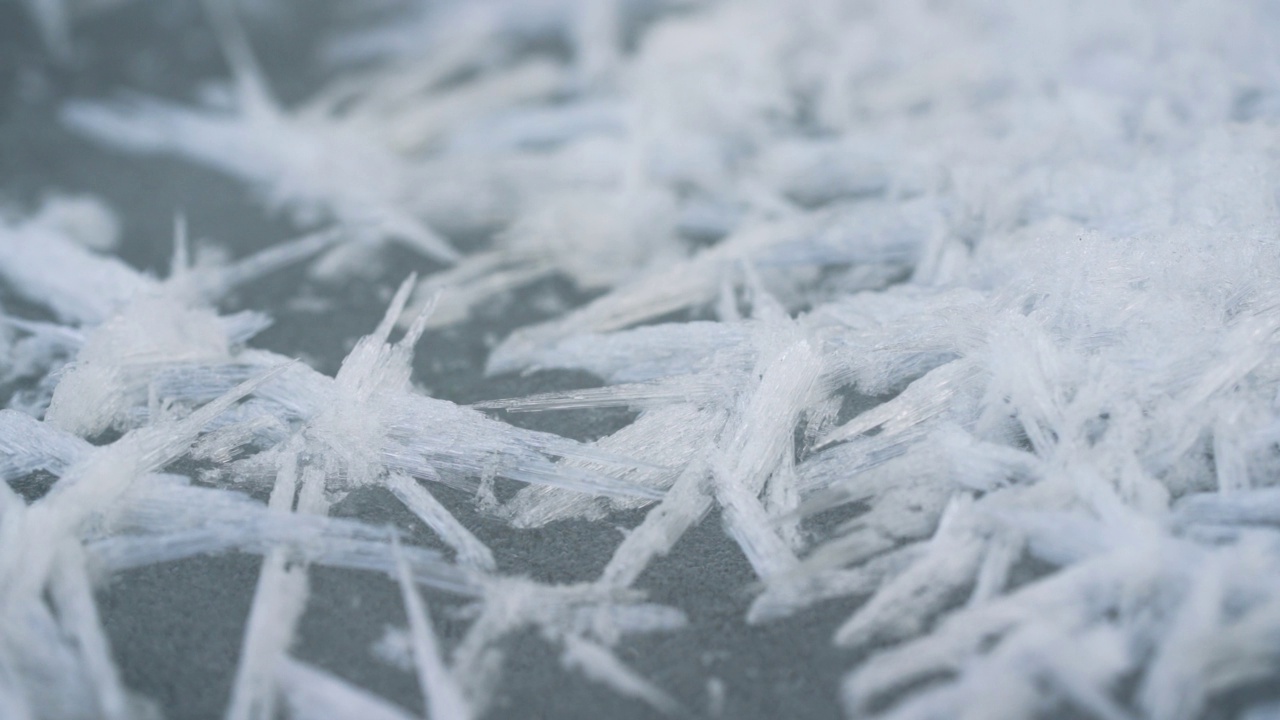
[967, 310]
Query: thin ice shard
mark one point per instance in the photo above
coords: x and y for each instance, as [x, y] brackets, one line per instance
[313, 694]
[471, 552]
[444, 699]
[278, 602]
[597, 663]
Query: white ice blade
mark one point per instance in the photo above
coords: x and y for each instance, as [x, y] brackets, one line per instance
[443, 698]
[471, 552]
[313, 694]
[599, 664]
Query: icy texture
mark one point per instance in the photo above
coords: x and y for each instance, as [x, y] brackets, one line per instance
[960, 316]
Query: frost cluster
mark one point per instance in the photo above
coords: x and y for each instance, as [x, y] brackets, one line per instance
[965, 312]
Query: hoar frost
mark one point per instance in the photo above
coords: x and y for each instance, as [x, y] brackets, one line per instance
[963, 314]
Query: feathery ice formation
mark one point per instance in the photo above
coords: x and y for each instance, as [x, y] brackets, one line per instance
[964, 314]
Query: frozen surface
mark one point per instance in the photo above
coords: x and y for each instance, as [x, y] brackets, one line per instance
[639, 358]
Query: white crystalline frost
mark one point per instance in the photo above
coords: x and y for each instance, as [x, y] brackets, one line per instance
[963, 314]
